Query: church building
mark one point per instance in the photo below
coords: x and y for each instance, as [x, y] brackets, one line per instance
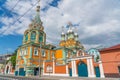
[35, 57]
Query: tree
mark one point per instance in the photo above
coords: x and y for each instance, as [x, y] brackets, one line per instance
[97, 58]
[13, 59]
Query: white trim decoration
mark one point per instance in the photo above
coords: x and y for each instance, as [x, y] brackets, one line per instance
[50, 74]
[36, 51]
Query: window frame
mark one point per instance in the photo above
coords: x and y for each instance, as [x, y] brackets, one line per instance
[35, 49]
[43, 51]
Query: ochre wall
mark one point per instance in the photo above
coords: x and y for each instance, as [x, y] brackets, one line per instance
[58, 54]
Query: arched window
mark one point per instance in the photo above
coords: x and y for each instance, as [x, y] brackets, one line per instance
[26, 37]
[36, 51]
[43, 53]
[33, 35]
[41, 38]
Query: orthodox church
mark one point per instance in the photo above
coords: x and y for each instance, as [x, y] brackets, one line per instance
[35, 57]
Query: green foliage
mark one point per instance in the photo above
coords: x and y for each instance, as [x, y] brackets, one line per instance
[97, 58]
[13, 59]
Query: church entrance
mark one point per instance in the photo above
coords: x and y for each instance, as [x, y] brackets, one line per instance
[82, 70]
[36, 71]
[7, 69]
[22, 72]
[97, 71]
[70, 72]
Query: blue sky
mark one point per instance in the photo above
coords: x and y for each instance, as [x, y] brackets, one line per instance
[98, 21]
[10, 42]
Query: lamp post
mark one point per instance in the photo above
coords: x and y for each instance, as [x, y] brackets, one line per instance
[40, 59]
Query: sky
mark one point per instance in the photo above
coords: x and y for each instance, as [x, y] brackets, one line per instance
[97, 21]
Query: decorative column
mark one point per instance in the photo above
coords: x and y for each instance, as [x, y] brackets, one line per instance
[30, 56]
[90, 68]
[74, 73]
[18, 70]
[101, 70]
[9, 69]
[66, 69]
[5, 69]
[37, 37]
[53, 66]
[43, 67]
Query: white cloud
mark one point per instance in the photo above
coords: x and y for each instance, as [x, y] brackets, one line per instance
[96, 17]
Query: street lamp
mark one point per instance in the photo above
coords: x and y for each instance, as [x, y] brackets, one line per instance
[40, 59]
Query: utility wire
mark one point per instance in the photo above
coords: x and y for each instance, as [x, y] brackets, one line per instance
[10, 11]
[11, 8]
[15, 5]
[25, 13]
[17, 20]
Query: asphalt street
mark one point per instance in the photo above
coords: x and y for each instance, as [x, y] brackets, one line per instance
[11, 77]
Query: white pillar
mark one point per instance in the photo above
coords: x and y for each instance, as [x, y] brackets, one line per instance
[92, 68]
[5, 69]
[77, 53]
[74, 73]
[18, 70]
[9, 69]
[43, 67]
[66, 69]
[53, 67]
[101, 70]
[72, 68]
[75, 69]
[88, 67]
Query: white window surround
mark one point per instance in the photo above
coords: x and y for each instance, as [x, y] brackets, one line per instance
[43, 53]
[21, 52]
[25, 51]
[36, 51]
[53, 55]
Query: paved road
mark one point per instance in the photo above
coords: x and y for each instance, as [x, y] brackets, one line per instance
[11, 77]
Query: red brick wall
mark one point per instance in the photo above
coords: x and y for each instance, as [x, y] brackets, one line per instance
[60, 69]
[111, 60]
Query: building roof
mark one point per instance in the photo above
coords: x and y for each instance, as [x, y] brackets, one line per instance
[111, 48]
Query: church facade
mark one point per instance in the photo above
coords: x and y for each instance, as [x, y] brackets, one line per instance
[35, 57]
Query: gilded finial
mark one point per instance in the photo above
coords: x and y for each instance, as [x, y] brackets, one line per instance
[70, 25]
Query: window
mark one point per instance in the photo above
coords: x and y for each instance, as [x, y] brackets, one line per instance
[21, 52]
[33, 36]
[35, 51]
[43, 53]
[26, 37]
[40, 38]
[25, 51]
[119, 69]
[53, 55]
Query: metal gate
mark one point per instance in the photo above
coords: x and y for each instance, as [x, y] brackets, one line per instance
[97, 71]
[16, 73]
[70, 72]
[21, 72]
[82, 70]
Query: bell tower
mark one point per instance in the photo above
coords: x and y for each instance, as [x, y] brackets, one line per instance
[35, 33]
